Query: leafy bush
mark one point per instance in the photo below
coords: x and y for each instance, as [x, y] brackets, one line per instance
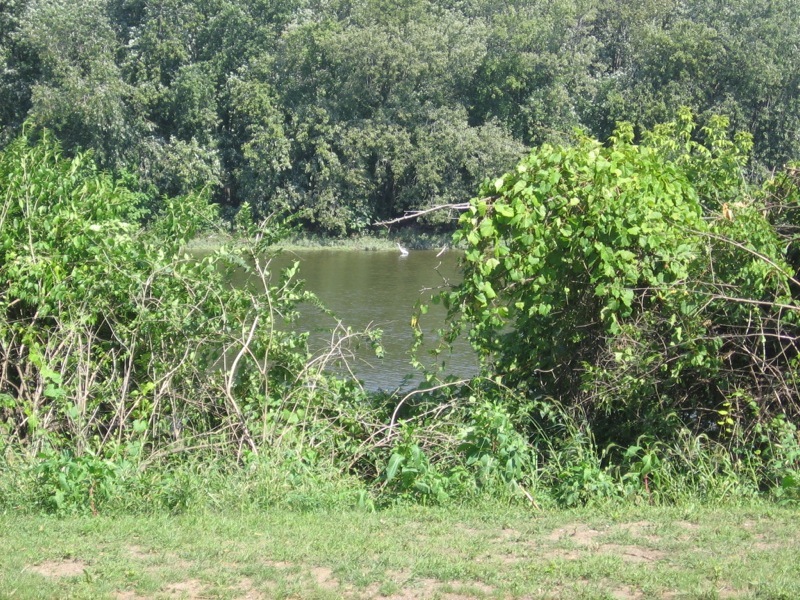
[493, 448]
[639, 282]
[118, 349]
[66, 482]
[410, 473]
[111, 332]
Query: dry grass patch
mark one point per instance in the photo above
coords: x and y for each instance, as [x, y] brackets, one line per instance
[128, 595]
[687, 525]
[191, 589]
[578, 533]
[424, 588]
[138, 553]
[323, 577]
[59, 568]
[471, 588]
[632, 554]
[278, 564]
[246, 590]
[155, 561]
[419, 589]
[561, 554]
[640, 530]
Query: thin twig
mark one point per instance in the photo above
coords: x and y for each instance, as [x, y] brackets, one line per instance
[413, 214]
[393, 420]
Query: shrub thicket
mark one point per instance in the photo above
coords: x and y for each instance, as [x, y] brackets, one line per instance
[646, 287]
[125, 362]
[636, 305]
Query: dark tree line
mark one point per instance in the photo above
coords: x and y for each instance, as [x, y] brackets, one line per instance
[348, 111]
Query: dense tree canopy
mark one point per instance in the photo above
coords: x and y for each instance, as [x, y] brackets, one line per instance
[347, 112]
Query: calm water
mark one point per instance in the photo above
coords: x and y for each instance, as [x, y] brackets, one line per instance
[379, 290]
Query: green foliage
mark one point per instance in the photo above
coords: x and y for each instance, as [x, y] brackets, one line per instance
[781, 455]
[536, 72]
[493, 448]
[662, 55]
[580, 479]
[77, 89]
[108, 328]
[351, 112]
[637, 281]
[409, 472]
[454, 444]
[68, 483]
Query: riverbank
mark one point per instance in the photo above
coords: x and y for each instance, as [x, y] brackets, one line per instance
[410, 239]
[482, 551]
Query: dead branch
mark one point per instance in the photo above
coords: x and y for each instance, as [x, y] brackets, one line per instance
[413, 214]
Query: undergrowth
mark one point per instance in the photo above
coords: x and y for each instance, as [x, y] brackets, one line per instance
[135, 378]
[486, 462]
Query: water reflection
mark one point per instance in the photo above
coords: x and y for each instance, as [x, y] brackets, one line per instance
[379, 290]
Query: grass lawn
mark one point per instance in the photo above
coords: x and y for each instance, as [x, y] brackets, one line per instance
[403, 553]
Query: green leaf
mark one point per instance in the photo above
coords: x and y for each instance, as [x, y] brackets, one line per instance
[504, 210]
[395, 461]
[487, 229]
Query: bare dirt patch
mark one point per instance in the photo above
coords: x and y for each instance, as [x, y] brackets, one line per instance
[504, 559]
[627, 593]
[638, 529]
[470, 531]
[128, 595]
[418, 590]
[687, 525]
[59, 568]
[156, 561]
[767, 546]
[585, 537]
[278, 564]
[509, 534]
[324, 578]
[581, 534]
[138, 553]
[467, 587]
[191, 588]
[561, 554]
[763, 543]
[321, 576]
[689, 529]
[246, 590]
[410, 589]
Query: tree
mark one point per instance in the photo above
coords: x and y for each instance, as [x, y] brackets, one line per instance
[257, 150]
[740, 60]
[376, 107]
[350, 111]
[535, 75]
[79, 92]
[17, 69]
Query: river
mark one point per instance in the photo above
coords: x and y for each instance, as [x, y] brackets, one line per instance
[379, 289]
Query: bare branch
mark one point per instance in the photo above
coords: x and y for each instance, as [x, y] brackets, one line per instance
[413, 214]
[765, 258]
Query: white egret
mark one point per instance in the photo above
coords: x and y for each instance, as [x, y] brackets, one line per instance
[403, 251]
